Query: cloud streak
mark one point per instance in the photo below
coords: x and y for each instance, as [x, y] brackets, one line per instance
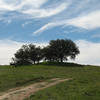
[33, 8]
[88, 22]
[82, 14]
[40, 13]
[50, 25]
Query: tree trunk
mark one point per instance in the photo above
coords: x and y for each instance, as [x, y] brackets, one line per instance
[34, 62]
[38, 61]
[61, 59]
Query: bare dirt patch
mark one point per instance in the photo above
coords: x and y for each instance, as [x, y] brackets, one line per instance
[24, 92]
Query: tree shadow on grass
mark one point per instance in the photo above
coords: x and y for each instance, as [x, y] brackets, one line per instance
[64, 64]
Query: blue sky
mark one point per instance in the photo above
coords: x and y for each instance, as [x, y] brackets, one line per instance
[39, 21]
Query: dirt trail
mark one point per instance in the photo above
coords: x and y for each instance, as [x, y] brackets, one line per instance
[24, 92]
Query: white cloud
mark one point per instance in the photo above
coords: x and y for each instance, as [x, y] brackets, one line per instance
[45, 27]
[88, 21]
[50, 25]
[89, 52]
[32, 7]
[12, 5]
[7, 50]
[39, 13]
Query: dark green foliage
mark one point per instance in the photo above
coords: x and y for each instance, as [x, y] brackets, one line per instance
[21, 56]
[59, 50]
[39, 54]
[63, 64]
[48, 54]
[56, 51]
[27, 54]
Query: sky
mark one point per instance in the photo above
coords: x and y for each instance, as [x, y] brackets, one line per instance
[39, 21]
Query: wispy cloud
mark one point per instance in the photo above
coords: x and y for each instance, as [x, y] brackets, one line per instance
[13, 5]
[89, 21]
[82, 14]
[77, 13]
[40, 13]
[32, 8]
[50, 25]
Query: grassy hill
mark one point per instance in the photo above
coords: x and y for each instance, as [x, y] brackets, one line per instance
[85, 83]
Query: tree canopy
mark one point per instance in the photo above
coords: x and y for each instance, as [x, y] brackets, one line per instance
[60, 50]
[56, 51]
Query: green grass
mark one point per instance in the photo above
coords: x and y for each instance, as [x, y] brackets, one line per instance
[84, 86]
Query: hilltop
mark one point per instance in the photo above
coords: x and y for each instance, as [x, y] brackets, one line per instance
[83, 86]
